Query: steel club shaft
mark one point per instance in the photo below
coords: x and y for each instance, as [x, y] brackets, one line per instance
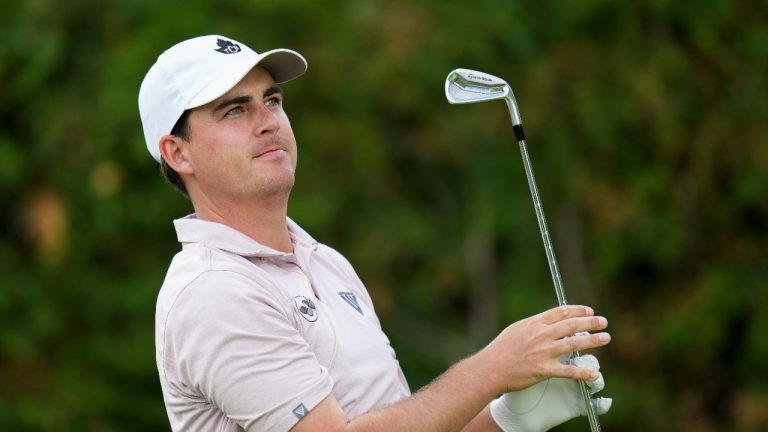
[464, 86]
[562, 300]
[594, 424]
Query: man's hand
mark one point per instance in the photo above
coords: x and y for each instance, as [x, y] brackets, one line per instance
[529, 350]
[548, 403]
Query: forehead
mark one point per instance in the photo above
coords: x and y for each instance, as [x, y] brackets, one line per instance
[254, 83]
[256, 76]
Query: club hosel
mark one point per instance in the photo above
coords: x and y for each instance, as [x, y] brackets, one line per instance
[514, 114]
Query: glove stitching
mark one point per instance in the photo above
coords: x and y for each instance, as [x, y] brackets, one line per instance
[533, 407]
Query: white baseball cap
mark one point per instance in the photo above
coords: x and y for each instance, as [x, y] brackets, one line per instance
[197, 71]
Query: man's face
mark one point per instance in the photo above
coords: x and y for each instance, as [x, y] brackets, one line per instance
[241, 145]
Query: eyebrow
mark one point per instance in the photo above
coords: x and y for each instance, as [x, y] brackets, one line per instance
[237, 100]
[273, 90]
[241, 100]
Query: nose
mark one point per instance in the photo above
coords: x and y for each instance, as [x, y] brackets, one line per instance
[266, 121]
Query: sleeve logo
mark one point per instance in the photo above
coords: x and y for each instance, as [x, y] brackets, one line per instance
[300, 411]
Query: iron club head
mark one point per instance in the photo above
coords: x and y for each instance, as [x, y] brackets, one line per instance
[464, 86]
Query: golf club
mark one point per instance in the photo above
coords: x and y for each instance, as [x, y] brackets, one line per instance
[464, 86]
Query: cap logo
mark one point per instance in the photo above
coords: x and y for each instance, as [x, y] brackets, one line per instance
[227, 46]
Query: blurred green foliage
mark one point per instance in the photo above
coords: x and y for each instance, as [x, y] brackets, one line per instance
[646, 123]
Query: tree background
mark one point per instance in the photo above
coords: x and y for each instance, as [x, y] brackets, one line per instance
[646, 124]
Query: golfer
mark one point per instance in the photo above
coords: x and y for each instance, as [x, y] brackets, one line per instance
[259, 327]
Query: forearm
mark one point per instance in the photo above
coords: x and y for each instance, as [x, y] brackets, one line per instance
[483, 422]
[447, 404]
[522, 355]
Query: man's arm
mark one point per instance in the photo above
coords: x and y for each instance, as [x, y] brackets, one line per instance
[523, 354]
[483, 422]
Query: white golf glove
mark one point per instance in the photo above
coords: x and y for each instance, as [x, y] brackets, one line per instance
[548, 403]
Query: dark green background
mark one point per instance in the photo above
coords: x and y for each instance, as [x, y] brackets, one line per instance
[646, 122]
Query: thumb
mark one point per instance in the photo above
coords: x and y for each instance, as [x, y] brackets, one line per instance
[602, 405]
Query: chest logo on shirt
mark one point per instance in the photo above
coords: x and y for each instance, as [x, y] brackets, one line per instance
[352, 300]
[306, 308]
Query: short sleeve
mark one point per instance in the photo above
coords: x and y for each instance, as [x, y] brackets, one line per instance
[233, 343]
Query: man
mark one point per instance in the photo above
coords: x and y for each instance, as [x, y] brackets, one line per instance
[261, 328]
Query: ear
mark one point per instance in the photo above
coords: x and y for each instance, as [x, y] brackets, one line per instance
[173, 150]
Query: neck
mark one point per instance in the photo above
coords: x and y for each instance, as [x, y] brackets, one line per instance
[263, 220]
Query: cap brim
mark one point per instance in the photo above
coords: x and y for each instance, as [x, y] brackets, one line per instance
[283, 64]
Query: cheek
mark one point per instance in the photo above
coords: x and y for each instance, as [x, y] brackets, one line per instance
[286, 131]
[215, 153]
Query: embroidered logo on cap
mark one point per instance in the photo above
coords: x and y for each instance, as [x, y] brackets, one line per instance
[306, 308]
[352, 300]
[300, 411]
[227, 46]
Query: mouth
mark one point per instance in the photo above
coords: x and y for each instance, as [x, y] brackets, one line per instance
[273, 152]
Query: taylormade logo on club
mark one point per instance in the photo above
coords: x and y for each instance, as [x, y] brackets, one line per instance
[479, 77]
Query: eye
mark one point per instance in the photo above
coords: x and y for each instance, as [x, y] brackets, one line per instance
[274, 101]
[235, 111]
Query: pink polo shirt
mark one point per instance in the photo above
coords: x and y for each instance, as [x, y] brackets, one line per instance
[249, 337]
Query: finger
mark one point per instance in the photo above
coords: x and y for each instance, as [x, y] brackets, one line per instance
[602, 405]
[579, 343]
[583, 360]
[596, 385]
[564, 312]
[574, 372]
[590, 362]
[587, 361]
[577, 326]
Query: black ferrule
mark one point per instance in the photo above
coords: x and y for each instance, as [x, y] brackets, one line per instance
[519, 132]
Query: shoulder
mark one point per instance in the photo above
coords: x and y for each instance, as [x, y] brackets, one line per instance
[227, 288]
[204, 283]
[342, 268]
[334, 258]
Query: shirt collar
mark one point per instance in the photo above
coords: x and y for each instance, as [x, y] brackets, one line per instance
[190, 229]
